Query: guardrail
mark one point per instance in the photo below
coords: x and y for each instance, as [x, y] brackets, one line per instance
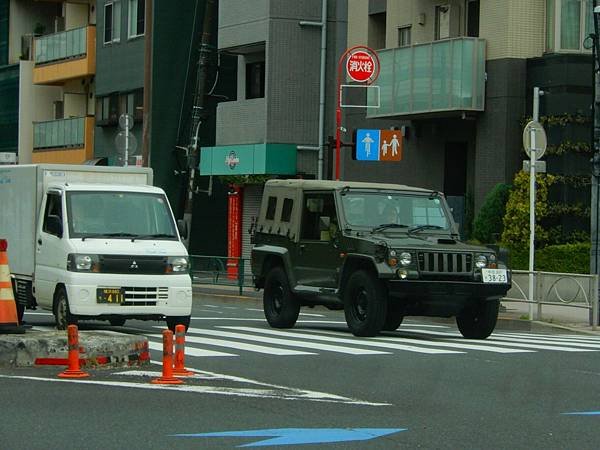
[568, 290]
[221, 270]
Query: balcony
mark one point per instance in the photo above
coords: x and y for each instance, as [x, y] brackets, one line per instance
[67, 141]
[64, 56]
[441, 78]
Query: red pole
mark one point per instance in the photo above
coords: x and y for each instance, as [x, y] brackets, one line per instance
[338, 125]
[73, 342]
[167, 372]
[179, 369]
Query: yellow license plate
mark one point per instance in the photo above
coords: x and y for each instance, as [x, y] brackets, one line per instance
[110, 295]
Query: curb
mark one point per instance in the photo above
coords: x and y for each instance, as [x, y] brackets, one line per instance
[98, 349]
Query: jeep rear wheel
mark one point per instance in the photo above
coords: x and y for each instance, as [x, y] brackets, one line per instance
[394, 317]
[477, 321]
[280, 305]
[365, 304]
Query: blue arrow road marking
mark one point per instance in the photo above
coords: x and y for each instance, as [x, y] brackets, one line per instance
[582, 413]
[291, 436]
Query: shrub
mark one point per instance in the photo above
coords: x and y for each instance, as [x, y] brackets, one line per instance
[516, 218]
[488, 227]
[565, 258]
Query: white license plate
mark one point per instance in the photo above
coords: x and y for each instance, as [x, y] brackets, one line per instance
[494, 275]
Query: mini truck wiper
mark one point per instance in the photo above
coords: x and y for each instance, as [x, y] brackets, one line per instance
[418, 228]
[383, 226]
[155, 236]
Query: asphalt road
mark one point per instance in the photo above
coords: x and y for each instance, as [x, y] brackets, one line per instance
[420, 387]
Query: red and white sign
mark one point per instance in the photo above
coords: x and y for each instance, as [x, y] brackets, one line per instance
[361, 66]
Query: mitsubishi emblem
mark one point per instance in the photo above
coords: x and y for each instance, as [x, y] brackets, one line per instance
[134, 265]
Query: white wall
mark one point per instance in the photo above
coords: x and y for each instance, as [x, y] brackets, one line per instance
[36, 103]
[76, 15]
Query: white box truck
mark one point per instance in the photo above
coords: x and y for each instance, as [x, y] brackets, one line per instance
[93, 242]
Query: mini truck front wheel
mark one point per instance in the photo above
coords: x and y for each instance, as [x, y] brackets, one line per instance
[62, 312]
[365, 304]
[280, 305]
[478, 320]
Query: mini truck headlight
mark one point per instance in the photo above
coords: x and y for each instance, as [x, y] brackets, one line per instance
[82, 263]
[405, 258]
[177, 264]
[481, 261]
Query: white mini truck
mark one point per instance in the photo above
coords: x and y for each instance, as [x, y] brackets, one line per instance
[94, 243]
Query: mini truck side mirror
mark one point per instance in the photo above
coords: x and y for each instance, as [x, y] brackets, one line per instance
[182, 228]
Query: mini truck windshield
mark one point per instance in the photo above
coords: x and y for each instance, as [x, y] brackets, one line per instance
[393, 211]
[119, 215]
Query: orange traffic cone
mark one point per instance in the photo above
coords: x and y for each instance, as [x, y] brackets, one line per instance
[9, 322]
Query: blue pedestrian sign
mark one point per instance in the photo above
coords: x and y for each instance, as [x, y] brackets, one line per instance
[379, 145]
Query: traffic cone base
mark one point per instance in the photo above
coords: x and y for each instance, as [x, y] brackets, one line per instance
[166, 380]
[73, 374]
[9, 321]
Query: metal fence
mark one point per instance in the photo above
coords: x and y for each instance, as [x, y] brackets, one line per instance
[221, 270]
[571, 292]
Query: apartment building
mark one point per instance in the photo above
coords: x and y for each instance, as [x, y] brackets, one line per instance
[50, 53]
[271, 128]
[457, 77]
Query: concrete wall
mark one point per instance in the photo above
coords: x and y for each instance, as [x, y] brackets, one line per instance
[242, 22]
[76, 15]
[24, 16]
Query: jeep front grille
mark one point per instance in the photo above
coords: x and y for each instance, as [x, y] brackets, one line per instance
[433, 262]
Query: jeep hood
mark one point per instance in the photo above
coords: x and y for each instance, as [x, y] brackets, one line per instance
[424, 242]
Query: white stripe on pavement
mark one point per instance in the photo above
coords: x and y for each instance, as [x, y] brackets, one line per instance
[362, 341]
[189, 351]
[554, 337]
[288, 342]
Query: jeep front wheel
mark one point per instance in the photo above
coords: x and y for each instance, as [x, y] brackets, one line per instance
[394, 316]
[365, 304]
[280, 305]
[478, 320]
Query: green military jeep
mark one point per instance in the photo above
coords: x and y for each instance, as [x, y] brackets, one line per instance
[380, 252]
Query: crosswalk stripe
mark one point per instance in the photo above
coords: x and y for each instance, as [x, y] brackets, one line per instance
[242, 346]
[290, 343]
[565, 338]
[500, 341]
[467, 346]
[362, 342]
[189, 351]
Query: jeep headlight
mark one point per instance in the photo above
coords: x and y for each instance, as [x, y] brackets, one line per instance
[83, 263]
[177, 264]
[481, 261]
[405, 258]
[392, 259]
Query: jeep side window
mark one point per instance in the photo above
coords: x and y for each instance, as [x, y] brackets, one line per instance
[286, 211]
[317, 206]
[271, 205]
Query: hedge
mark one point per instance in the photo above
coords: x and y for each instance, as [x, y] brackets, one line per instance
[565, 258]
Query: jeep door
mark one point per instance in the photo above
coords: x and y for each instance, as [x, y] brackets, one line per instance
[316, 254]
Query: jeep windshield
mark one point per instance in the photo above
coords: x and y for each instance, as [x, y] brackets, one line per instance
[394, 211]
[119, 215]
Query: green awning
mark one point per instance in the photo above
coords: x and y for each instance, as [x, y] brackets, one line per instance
[250, 159]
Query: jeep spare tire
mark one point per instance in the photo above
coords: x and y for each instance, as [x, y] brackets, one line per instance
[280, 305]
[365, 304]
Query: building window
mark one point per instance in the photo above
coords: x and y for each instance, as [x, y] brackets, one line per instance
[112, 22]
[442, 22]
[107, 110]
[568, 24]
[255, 79]
[404, 36]
[473, 10]
[137, 15]
[377, 30]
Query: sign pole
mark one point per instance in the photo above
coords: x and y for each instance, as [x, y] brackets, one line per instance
[536, 116]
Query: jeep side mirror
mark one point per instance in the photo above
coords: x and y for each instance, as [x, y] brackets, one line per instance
[182, 228]
[324, 223]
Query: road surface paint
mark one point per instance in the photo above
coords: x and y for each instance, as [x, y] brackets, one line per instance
[295, 436]
[263, 390]
[582, 413]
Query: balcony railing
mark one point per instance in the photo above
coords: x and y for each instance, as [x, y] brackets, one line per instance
[440, 76]
[59, 46]
[63, 133]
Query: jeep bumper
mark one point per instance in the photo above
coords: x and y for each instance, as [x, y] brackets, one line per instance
[428, 288]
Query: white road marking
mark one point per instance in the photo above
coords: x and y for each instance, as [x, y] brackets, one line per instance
[29, 313]
[190, 351]
[288, 342]
[556, 337]
[361, 342]
[238, 346]
[270, 391]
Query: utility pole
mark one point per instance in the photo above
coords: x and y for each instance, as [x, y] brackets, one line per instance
[147, 84]
[198, 111]
[594, 230]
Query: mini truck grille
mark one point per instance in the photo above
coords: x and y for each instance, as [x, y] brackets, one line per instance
[144, 296]
[133, 264]
[434, 262]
